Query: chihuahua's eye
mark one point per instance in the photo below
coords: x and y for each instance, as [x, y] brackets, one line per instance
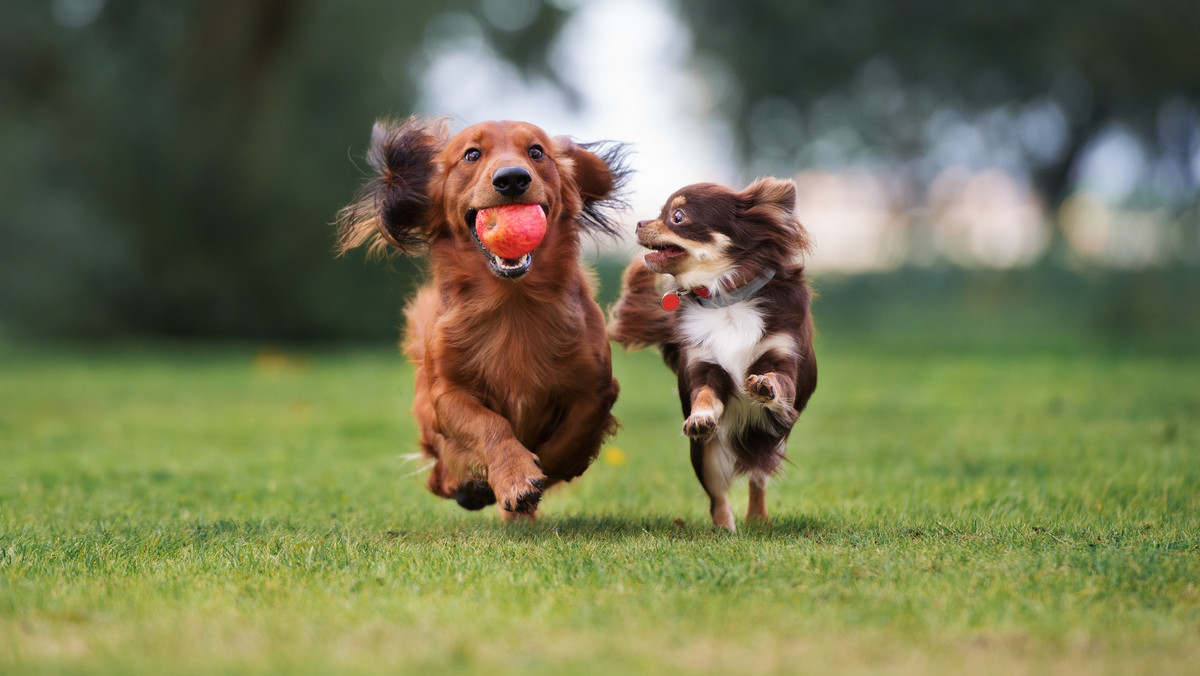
[536, 153]
[472, 155]
[677, 217]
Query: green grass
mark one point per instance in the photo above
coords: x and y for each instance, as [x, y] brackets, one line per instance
[984, 510]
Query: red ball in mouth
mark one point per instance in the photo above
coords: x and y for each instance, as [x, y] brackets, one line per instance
[512, 230]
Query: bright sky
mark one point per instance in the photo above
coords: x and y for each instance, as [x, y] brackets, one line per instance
[627, 60]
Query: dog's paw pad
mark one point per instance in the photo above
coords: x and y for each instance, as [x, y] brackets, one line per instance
[525, 503]
[761, 389]
[525, 500]
[700, 425]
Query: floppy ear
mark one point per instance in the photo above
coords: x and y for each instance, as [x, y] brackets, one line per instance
[598, 172]
[772, 202]
[393, 207]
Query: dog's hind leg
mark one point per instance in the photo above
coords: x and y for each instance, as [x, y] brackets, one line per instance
[576, 441]
[757, 509]
[453, 477]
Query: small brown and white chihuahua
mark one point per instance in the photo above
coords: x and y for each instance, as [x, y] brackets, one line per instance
[734, 325]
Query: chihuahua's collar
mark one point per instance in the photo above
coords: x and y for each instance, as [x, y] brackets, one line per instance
[708, 299]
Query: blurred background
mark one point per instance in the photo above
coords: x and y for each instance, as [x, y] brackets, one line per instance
[172, 169]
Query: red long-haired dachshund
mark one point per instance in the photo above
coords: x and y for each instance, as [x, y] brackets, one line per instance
[514, 385]
[734, 326]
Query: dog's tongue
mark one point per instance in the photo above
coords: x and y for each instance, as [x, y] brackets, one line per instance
[511, 231]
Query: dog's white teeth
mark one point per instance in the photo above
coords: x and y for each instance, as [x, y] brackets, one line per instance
[509, 263]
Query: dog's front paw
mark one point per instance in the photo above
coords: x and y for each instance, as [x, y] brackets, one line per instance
[700, 425]
[761, 388]
[523, 494]
[474, 494]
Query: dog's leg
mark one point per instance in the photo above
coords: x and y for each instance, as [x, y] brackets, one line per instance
[713, 463]
[708, 386]
[757, 509]
[772, 381]
[454, 475]
[512, 517]
[512, 470]
[572, 446]
[706, 410]
[776, 392]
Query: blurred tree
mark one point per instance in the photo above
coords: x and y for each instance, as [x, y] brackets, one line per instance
[174, 168]
[876, 78]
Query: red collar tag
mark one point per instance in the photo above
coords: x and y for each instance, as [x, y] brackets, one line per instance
[669, 301]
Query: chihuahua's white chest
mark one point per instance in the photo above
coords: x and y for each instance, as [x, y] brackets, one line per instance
[730, 337]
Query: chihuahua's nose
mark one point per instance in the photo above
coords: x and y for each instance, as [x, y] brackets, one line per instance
[511, 181]
[640, 225]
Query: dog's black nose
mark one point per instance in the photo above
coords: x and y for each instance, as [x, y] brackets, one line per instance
[511, 181]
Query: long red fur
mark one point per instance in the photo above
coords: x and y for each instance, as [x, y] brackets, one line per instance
[514, 383]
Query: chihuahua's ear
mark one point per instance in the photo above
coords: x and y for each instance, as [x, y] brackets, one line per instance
[771, 192]
[771, 202]
[597, 173]
[393, 207]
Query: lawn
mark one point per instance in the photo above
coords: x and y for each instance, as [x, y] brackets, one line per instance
[965, 509]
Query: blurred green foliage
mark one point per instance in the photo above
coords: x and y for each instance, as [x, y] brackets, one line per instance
[880, 71]
[174, 168]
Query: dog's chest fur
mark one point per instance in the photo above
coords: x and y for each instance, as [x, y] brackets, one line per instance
[731, 337]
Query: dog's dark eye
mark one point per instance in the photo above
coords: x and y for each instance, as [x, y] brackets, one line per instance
[536, 153]
[677, 217]
[472, 155]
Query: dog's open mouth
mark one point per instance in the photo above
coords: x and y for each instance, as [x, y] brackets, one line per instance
[509, 268]
[662, 253]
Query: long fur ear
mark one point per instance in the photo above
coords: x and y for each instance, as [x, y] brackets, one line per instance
[393, 207]
[772, 202]
[600, 171]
